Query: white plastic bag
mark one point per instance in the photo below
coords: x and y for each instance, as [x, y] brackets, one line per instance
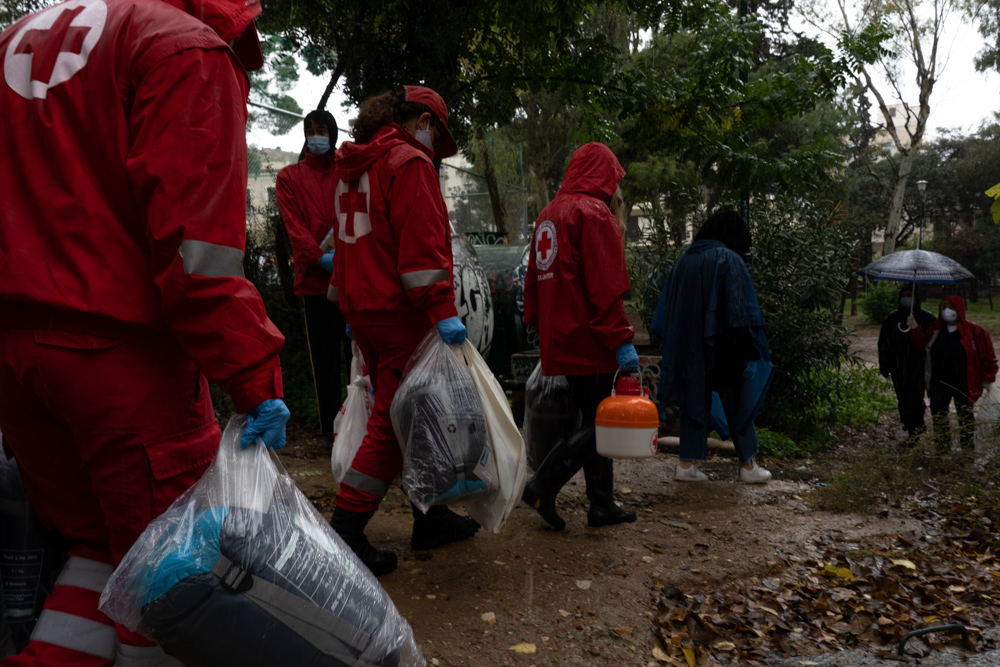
[550, 414]
[988, 414]
[441, 429]
[350, 426]
[508, 448]
[242, 571]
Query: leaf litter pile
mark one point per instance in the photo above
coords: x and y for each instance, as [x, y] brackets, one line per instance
[835, 596]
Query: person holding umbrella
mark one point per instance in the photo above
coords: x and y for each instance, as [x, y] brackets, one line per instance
[904, 364]
[961, 360]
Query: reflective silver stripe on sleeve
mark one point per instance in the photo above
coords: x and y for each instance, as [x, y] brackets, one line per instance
[144, 656]
[85, 573]
[210, 260]
[363, 482]
[76, 633]
[331, 294]
[423, 278]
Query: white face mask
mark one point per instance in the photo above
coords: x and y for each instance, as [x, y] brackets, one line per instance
[949, 316]
[905, 302]
[425, 137]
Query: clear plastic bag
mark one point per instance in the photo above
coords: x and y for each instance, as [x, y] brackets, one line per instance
[242, 571]
[988, 414]
[508, 448]
[441, 428]
[550, 414]
[351, 423]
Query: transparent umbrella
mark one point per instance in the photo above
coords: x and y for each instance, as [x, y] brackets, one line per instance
[917, 266]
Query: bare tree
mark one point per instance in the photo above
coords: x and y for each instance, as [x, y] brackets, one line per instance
[915, 27]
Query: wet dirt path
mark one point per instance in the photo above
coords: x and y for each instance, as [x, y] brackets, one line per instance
[585, 596]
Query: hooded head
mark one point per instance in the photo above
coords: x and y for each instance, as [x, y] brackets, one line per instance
[232, 20]
[955, 303]
[728, 227]
[593, 170]
[321, 131]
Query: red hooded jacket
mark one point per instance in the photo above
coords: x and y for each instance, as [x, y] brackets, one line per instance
[124, 169]
[576, 270]
[981, 359]
[304, 196]
[393, 261]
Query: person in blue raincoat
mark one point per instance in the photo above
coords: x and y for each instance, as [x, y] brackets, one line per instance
[713, 340]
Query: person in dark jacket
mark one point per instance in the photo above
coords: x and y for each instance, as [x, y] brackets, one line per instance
[573, 295]
[714, 341]
[960, 361]
[305, 192]
[904, 364]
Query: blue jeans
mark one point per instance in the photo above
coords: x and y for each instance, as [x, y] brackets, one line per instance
[694, 434]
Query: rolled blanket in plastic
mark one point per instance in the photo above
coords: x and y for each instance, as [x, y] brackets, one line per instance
[242, 571]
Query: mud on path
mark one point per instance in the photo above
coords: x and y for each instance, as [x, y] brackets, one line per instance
[585, 596]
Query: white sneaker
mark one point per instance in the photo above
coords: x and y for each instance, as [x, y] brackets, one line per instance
[756, 474]
[691, 474]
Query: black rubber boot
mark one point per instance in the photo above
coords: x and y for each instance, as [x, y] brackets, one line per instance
[351, 528]
[438, 527]
[600, 475]
[559, 466]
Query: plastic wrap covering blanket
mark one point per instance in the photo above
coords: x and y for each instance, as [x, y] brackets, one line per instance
[441, 427]
[550, 414]
[242, 571]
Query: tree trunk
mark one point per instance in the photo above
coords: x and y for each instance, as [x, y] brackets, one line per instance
[898, 193]
[341, 65]
[854, 295]
[284, 265]
[496, 201]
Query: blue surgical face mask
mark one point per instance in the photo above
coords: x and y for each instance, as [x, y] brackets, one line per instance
[906, 301]
[318, 145]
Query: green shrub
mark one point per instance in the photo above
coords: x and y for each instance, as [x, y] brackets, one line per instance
[880, 300]
[776, 445]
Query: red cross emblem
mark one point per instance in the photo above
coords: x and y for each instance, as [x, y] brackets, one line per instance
[546, 245]
[53, 46]
[351, 203]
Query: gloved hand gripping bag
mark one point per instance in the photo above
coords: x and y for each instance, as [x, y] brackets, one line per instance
[242, 571]
[441, 428]
[550, 414]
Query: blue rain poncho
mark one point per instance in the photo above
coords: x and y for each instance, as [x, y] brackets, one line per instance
[707, 294]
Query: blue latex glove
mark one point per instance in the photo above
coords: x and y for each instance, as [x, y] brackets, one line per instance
[266, 425]
[326, 262]
[347, 330]
[452, 331]
[628, 358]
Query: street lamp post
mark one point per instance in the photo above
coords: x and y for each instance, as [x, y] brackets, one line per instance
[922, 187]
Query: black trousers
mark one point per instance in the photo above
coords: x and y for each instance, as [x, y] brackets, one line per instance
[910, 398]
[588, 392]
[325, 329]
[941, 395]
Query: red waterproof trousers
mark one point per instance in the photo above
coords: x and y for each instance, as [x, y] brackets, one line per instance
[106, 434]
[378, 461]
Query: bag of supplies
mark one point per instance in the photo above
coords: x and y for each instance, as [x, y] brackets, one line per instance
[988, 414]
[242, 571]
[351, 423]
[441, 428]
[550, 414]
[31, 556]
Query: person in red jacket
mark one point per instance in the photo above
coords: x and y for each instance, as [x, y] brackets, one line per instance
[960, 360]
[304, 196]
[392, 280]
[573, 297]
[122, 227]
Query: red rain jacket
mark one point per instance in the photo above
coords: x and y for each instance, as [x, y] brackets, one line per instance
[305, 191]
[576, 271]
[393, 261]
[124, 168]
[981, 359]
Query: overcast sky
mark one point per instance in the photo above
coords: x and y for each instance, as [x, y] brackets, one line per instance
[962, 98]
